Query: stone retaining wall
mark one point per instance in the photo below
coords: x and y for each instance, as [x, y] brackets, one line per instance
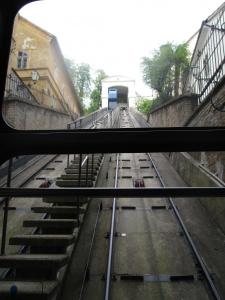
[25, 116]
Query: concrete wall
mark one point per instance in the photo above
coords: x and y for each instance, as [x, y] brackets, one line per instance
[174, 112]
[209, 114]
[195, 175]
[198, 168]
[24, 116]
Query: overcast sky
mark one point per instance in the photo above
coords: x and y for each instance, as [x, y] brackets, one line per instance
[114, 35]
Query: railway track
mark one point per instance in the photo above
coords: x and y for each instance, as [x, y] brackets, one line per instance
[139, 249]
[148, 252]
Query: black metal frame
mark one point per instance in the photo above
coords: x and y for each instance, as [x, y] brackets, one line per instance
[16, 142]
[115, 192]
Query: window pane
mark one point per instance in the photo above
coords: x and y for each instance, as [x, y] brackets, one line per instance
[59, 72]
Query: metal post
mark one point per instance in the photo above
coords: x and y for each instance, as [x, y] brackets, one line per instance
[92, 167]
[6, 209]
[87, 165]
[68, 156]
[79, 184]
[80, 165]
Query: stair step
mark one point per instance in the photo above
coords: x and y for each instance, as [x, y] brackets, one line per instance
[76, 171]
[96, 155]
[51, 223]
[76, 177]
[42, 240]
[70, 210]
[34, 261]
[96, 161]
[74, 183]
[76, 166]
[71, 200]
[27, 290]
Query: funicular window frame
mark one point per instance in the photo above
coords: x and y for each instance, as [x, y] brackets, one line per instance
[16, 142]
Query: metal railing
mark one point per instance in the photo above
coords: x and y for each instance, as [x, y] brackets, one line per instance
[15, 88]
[89, 120]
[208, 62]
[108, 117]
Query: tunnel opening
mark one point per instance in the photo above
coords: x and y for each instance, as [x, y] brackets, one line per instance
[117, 95]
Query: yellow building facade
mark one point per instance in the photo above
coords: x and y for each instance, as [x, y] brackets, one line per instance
[37, 59]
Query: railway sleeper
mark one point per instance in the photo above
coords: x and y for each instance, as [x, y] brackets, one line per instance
[156, 277]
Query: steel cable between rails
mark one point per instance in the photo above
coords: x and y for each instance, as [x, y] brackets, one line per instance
[215, 293]
[112, 230]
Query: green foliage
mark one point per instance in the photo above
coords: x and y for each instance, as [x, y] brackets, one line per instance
[96, 92]
[81, 77]
[144, 105]
[163, 72]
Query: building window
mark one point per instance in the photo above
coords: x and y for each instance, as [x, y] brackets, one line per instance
[22, 60]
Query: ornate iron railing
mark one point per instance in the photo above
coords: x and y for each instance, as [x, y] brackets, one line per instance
[15, 87]
[208, 61]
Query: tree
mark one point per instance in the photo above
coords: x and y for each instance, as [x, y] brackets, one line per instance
[83, 80]
[144, 105]
[181, 62]
[96, 92]
[163, 71]
[81, 77]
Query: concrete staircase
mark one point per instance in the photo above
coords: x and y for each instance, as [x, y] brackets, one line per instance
[37, 272]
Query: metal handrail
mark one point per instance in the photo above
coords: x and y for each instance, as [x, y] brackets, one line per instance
[89, 120]
[208, 63]
[15, 87]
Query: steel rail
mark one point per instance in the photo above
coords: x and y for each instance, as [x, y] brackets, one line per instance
[112, 230]
[111, 237]
[112, 233]
[198, 257]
